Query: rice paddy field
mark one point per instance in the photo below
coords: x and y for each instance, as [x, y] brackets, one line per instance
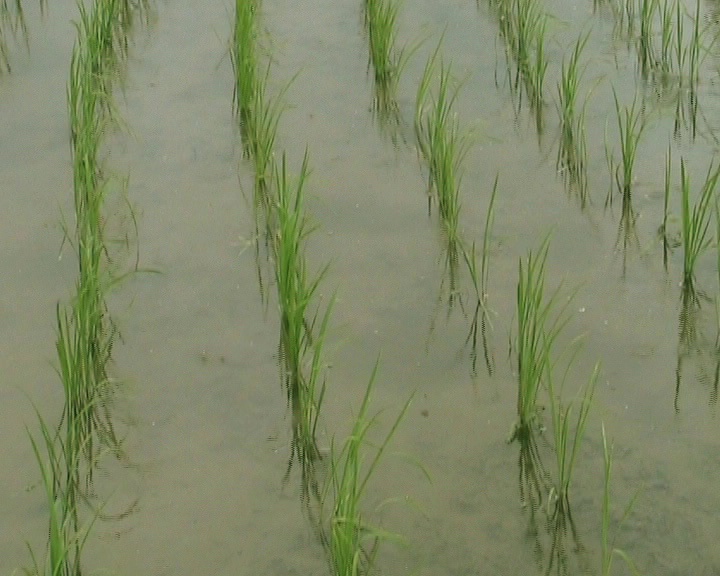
[351, 287]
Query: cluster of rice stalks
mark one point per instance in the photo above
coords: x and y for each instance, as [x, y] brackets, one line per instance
[538, 324]
[59, 469]
[386, 59]
[243, 54]
[523, 24]
[85, 331]
[695, 223]
[567, 441]
[442, 145]
[670, 44]
[631, 125]
[350, 541]
[302, 334]
[572, 152]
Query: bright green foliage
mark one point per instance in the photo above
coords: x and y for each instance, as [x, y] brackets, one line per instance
[572, 151]
[244, 60]
[696, 222]
[539, 321]
[351, 542]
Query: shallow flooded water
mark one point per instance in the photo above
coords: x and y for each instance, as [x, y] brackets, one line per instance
[202, 408]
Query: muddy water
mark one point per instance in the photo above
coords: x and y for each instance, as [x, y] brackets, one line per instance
[204, 413]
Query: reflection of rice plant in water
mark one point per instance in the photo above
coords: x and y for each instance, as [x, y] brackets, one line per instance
[539, 321]
[350, 541]
[572, 152]
[244, 61]
[296, 290]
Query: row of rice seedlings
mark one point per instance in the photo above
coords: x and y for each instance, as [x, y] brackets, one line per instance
[664, 56]
[695, 223]
[351, 542]
[385, 58]
[539, 321]
[244, 60]
[85, 331]
[572, 152]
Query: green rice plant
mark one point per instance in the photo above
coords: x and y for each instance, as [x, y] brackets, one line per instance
[646, 50]
[608, 549]
[572, 152]
[244, 61]
[667, 32]
[444, 147]
[666, 201]
[351, 542]
[523, 25]
[695, 222]
[59, 470]
[537, 73]
[261, 137]
[539, 321]
[567, 445]
[421, 103]
[296, 289]
[386, 59]
[631, 126]
[480, 281]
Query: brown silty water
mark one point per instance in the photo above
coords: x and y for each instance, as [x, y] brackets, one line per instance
[202, 408]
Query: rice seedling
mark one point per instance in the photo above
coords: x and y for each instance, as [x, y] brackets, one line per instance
[296, 290]
[695, 222]
[244, 61]
[60, 472]
[539, 321]
[480, 280]
[444, 147]
[666, 200]
[631, 126]
[572, 153]
[666, 37]
[646, 50]
[261, 136]
[566, 447]
[386, 59]
[608, 548]
[351, 542]
[523, 25]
